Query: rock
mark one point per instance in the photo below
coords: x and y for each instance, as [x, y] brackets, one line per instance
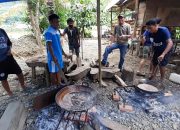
[79, 73]
[175, 126]
[175, 78]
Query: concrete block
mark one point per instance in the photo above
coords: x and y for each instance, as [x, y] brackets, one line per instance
[13, 117]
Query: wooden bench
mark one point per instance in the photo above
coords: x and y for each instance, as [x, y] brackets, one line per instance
[40, 61]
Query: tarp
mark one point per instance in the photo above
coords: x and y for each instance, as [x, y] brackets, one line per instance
[2, 1]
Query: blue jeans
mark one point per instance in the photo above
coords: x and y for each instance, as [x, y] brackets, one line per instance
[109, 49]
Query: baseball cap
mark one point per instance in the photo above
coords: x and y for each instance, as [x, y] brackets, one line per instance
[153, 21]
[120, 16]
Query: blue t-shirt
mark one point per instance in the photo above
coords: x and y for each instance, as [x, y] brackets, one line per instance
[5, 45]
[159, 39]
[53, 35]
[147, 42]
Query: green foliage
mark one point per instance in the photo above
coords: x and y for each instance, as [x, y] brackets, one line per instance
[83, 12]
[177, 32]
[61, 11]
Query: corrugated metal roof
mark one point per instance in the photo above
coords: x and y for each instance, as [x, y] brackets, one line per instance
[114, 2]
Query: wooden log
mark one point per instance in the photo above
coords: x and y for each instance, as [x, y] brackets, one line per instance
[107, 73]
[120, 81]
[79, 73]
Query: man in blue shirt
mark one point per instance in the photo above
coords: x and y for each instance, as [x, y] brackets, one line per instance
[54, 50]
[8, 64]
[162, 46]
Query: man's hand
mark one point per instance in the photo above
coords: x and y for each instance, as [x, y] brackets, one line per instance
[9, 52]
[68, 56]
[161, 57]
[55, 60]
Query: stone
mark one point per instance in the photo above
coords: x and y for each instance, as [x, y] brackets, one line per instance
[127, 75]
[175, 126]
[168, 94]
[125, 108]
[111, 124]
[175, 78]
[79, 73]
[14, 117]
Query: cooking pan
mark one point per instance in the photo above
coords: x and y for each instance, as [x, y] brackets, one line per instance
[76, 97]
[148, 86]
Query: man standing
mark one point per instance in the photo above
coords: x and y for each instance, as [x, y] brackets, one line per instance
[147, 47]
[122, 33]
[162, 46]
[8, 65]
[54, 50]
[73, 36]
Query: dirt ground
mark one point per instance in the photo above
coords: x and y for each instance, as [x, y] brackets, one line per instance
[25, 47]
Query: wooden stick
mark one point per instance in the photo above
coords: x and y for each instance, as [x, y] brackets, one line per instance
[120, 80]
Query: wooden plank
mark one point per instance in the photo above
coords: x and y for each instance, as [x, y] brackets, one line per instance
[79, 73]
[45, 99]
[107, 73]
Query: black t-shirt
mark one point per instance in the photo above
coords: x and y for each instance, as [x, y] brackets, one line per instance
[73, 35]
[5, 44]
[159, 39]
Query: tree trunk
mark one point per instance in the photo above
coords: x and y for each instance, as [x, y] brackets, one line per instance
[34, 20]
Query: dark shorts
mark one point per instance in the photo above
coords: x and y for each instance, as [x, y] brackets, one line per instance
[74, 49]
[9, 66]
[164, 62]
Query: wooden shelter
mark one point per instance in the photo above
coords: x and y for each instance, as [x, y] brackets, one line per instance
[167, 10]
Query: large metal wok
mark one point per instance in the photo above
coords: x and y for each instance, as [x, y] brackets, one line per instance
[76, 97]
[149, 86]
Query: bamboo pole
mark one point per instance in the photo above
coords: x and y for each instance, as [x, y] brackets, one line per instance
[136, 19]
[99, 41]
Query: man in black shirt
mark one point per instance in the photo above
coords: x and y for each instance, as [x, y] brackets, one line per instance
[8, 65]
[73, 36]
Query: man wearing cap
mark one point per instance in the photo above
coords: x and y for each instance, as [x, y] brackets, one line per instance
[162, 46]
[122, 32]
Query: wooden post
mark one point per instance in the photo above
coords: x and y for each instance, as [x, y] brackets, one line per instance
[111, 19]
[136, 19]
[99, 41]
[33, 72]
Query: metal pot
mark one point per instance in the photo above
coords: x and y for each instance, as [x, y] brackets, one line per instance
[76, 97]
